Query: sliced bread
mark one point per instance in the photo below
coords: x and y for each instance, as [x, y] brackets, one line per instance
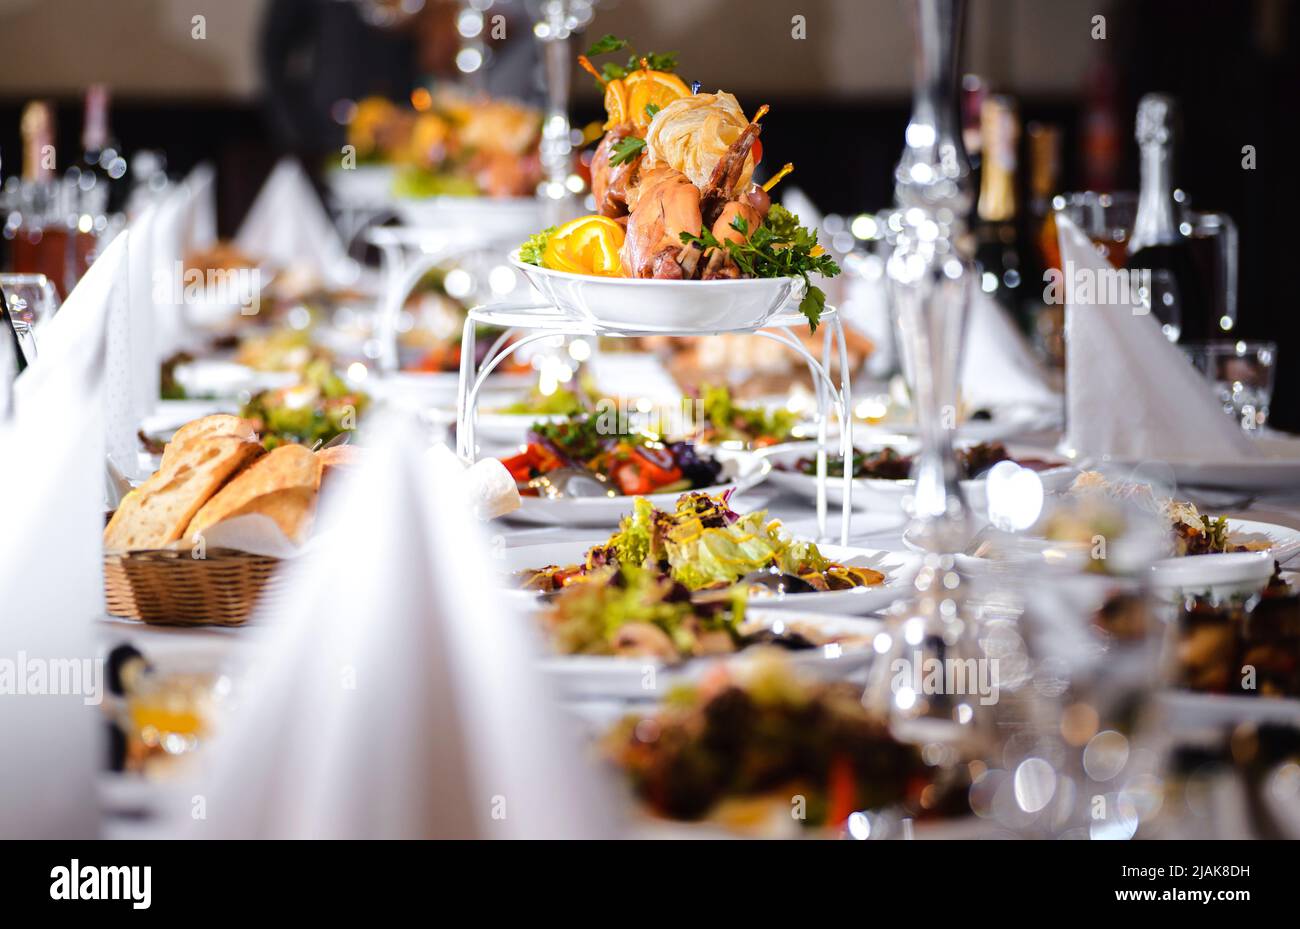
[204, 427]
[156, 513]
[282, 484]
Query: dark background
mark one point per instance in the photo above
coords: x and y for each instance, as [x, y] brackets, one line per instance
[1234, 65]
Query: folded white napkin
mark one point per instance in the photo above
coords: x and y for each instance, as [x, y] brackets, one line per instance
[1131, 394]
[144, 350]
[96, 313]
[168, 230]
[50, 572]
[999, 368]
[399, 697]
[288, 229]
[201, 208]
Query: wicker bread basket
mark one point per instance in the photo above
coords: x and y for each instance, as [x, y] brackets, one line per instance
[174, 588]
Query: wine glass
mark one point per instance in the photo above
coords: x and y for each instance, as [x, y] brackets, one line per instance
[30, 301]
[557, 20]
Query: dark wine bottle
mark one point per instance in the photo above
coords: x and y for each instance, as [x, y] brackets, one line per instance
[1171, 282]
[997, 238]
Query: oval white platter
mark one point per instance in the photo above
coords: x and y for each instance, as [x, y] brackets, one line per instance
[508, 219]
[747, 470]
[1283, 545]
[899, 568]
[1004, 423]
[647, 305]
[872, 493]
[635, 678]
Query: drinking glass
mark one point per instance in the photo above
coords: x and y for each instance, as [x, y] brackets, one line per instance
[1242, 374]
[30, 300]
[1107, 219]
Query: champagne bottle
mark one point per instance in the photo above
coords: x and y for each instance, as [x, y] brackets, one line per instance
[102, 170]
[1170, 283]
[997, 246]
[1042, 248]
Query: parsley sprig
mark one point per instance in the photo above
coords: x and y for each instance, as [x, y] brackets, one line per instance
[626, 149]
[779, 247]
[666, 61]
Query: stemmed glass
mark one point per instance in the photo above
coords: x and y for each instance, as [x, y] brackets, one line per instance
[557, 20]
[930, 275]
[30, 300]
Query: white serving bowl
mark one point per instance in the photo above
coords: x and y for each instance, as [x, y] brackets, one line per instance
[648, 305]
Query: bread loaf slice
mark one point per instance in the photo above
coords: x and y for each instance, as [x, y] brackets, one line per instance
[204, 427]
[156, 513]
[282, 485]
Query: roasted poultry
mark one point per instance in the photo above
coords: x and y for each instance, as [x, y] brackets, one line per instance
[672, 182]
[664, 205]
[610, 183]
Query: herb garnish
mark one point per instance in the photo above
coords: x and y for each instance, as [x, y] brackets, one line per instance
[626, 149]
[779, 247]
[611, 71]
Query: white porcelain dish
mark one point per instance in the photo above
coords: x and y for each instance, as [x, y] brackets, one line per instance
[630, 678]
[1283, 544]
[655, 306]
[875, 493]
[1277, 468]
[899, 568]
[207, 377]
[507, 220]
[428, 389]
[365, 186]
[745, 470]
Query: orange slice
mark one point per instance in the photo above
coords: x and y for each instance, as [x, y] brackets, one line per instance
[587, 245]
[658, 88]
[615, 103]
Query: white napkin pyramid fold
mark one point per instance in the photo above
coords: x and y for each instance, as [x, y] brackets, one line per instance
[399, 696]
[288, 228]
[1131, 394]
[999, 368]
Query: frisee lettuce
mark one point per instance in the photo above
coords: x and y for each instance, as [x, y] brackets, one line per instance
[531, 251]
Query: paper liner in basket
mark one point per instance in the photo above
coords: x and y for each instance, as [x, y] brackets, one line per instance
[1131, 394]
[398, 697]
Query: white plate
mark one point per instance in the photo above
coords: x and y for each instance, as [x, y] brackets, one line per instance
[498, 429]
[748, 470]
[899, 569]
[507, 220]
[1278, 468]
[1284, 544]
[207, 377]
[650, 306]
[607, 676]
[1005, 422]
[426, 389]
[362, 186]
[876, 493]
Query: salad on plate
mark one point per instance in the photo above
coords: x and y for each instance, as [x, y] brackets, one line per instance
[627, 463]
[705, 546]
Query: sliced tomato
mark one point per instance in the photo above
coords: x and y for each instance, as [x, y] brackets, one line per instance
[658, 465]
[630, 477]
